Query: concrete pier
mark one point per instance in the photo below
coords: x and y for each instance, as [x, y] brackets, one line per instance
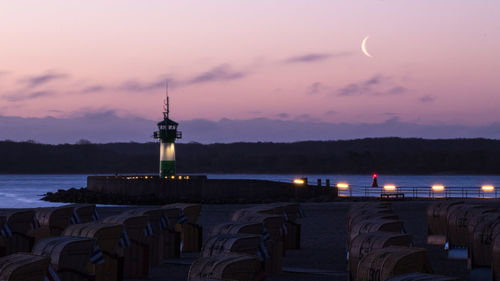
[201, 189]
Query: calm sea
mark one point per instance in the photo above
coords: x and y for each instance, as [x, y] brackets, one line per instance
[24, 191]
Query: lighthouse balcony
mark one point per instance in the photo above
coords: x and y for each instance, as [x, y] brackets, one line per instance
[168, 135]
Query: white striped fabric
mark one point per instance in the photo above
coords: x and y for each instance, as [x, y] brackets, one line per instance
[283, 230]
[164, 223]
[74, 218]
[51, 275]
[148, 231]
[263, 252]
[301, 213]
[35, 224]
[97, 255]
[6, 231]
[182, 217]
[95, 215]
[124, 239]
[285, 215]
[265, 234]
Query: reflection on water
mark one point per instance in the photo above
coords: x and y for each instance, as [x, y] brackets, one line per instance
[24, 191]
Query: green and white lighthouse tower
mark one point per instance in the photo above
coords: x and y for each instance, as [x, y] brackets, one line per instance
[167, 133]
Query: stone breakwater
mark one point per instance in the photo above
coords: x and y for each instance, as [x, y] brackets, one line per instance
[83, 195]
[146, 190]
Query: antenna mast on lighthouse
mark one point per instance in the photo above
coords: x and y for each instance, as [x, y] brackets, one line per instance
[166, 107]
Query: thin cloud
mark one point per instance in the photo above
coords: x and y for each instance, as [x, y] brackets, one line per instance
[306, 118]
[97, 114]
[93, 89]
[315, 57]
[219, 73]
[138, 86]
[426, 99]
[371, 87]
[398, 90]
[92, 113]
[28, 96]
[283, 115]
[360, 88]
[392, 120]
[315, 88]
[35, 81]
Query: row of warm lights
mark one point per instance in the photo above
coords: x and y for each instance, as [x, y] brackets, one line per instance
[485, 188]
[150, 177]
[437, 187]
[180, 177]
[346, 186]
[298, 181]
[434, 187]
[342, 185]
[488, 188]
[389, 187]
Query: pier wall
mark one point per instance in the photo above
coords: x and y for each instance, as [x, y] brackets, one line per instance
[200, 189]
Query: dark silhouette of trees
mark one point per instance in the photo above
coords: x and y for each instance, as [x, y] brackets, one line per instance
[382, 155]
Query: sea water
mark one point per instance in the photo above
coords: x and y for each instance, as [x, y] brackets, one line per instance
[25, 191]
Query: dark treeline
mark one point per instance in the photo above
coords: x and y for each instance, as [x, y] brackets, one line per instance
[382, 155]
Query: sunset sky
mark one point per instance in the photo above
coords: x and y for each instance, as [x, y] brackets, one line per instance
[434, 62]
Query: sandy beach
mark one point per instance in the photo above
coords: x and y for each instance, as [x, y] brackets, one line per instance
[323, 252]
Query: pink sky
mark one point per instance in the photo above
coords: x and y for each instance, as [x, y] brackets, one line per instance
[433, 61]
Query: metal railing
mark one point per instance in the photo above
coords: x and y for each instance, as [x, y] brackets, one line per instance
[418, 192]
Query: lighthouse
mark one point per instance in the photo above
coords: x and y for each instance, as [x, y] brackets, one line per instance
[167, 133]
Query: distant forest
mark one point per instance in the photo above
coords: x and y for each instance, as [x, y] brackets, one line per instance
[381, 155]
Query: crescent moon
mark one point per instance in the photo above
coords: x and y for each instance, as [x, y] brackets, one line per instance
[363, 47]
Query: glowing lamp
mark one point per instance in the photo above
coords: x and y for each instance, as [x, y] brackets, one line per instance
[298, 181]
[389, 187]
[187, 177]
[172, 177]
[180, 177]
[342, 186]
[488, 188]
[437, 188]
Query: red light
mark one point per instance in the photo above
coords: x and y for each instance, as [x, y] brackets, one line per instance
[374, 175]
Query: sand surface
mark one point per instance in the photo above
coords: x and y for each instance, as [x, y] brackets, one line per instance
[323, 252]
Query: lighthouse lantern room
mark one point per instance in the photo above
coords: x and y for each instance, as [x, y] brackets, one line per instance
[167, 133]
